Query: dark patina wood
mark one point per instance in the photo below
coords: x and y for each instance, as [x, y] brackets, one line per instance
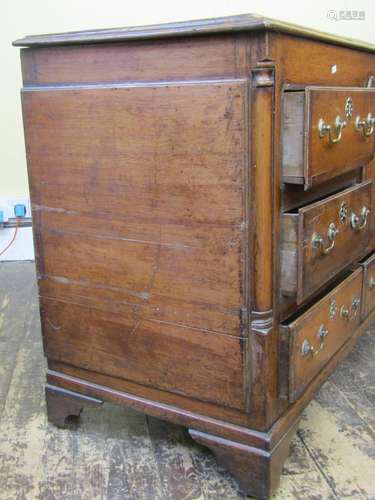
[311, 159]
[368, 290]
[64, 405]
[318, 333]
[244, 22]
[170, 241]
[120, 452]
[306, 265]
[257, 471]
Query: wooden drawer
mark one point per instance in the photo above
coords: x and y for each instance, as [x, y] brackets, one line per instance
[368, 292]
[321, 239]
[309, 341]
[310, 155]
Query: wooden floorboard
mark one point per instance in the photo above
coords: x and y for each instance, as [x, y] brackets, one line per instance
[116, 453]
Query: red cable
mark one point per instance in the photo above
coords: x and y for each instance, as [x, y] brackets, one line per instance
[14, 237]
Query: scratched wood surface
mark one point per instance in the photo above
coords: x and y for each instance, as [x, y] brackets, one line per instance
[118, 454]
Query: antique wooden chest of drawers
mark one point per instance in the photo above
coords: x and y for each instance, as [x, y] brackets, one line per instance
[202, 205]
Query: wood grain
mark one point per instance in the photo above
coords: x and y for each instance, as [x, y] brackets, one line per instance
[311, 159]
[240, 23]
[302, 369]
[174, 59]
[201, 365]
[306, 268]
[328, 64]
[156, 224]
[157, 198]
[118, 451]
[368, 290]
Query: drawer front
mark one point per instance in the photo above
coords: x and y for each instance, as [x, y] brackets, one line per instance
[368, 295]
[312, 339]
[323, 238]
[326, 132]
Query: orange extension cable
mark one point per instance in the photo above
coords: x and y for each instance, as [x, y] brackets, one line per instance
[14, 237]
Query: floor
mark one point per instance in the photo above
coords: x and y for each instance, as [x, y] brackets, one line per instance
[119, 454]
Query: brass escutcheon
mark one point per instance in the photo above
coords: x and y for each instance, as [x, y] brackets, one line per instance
[349, 108]
[343, 212]
[333, 309]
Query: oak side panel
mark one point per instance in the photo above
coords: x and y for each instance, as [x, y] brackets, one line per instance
[138, 191]
[198, 364]
[190, 58]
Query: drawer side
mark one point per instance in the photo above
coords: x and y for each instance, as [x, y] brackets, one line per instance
[292, 137]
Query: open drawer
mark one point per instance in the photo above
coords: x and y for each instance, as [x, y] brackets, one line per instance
[309, 341]
[321, 239]
[326, 131]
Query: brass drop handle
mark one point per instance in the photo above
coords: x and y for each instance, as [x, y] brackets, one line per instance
[350, 314]
[308, 350]
[359, 222]
[318, 240]
[365, 126]
[336, 129]
[371, 283]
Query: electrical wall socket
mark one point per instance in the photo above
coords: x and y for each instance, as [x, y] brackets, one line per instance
[10, 203]
[4, 209]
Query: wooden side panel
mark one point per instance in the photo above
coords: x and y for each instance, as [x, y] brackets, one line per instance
[138, 199]
[189, 362]
[170, 59]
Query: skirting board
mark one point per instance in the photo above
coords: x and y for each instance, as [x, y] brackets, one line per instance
[21, 249]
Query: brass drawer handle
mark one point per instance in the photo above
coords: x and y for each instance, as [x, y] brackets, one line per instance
[337, 128]
[359, 222]
[371, 283]
[365, 126]
[350, 314]
[318, 240]
[308, 350]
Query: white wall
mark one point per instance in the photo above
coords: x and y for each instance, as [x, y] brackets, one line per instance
[21, 17]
